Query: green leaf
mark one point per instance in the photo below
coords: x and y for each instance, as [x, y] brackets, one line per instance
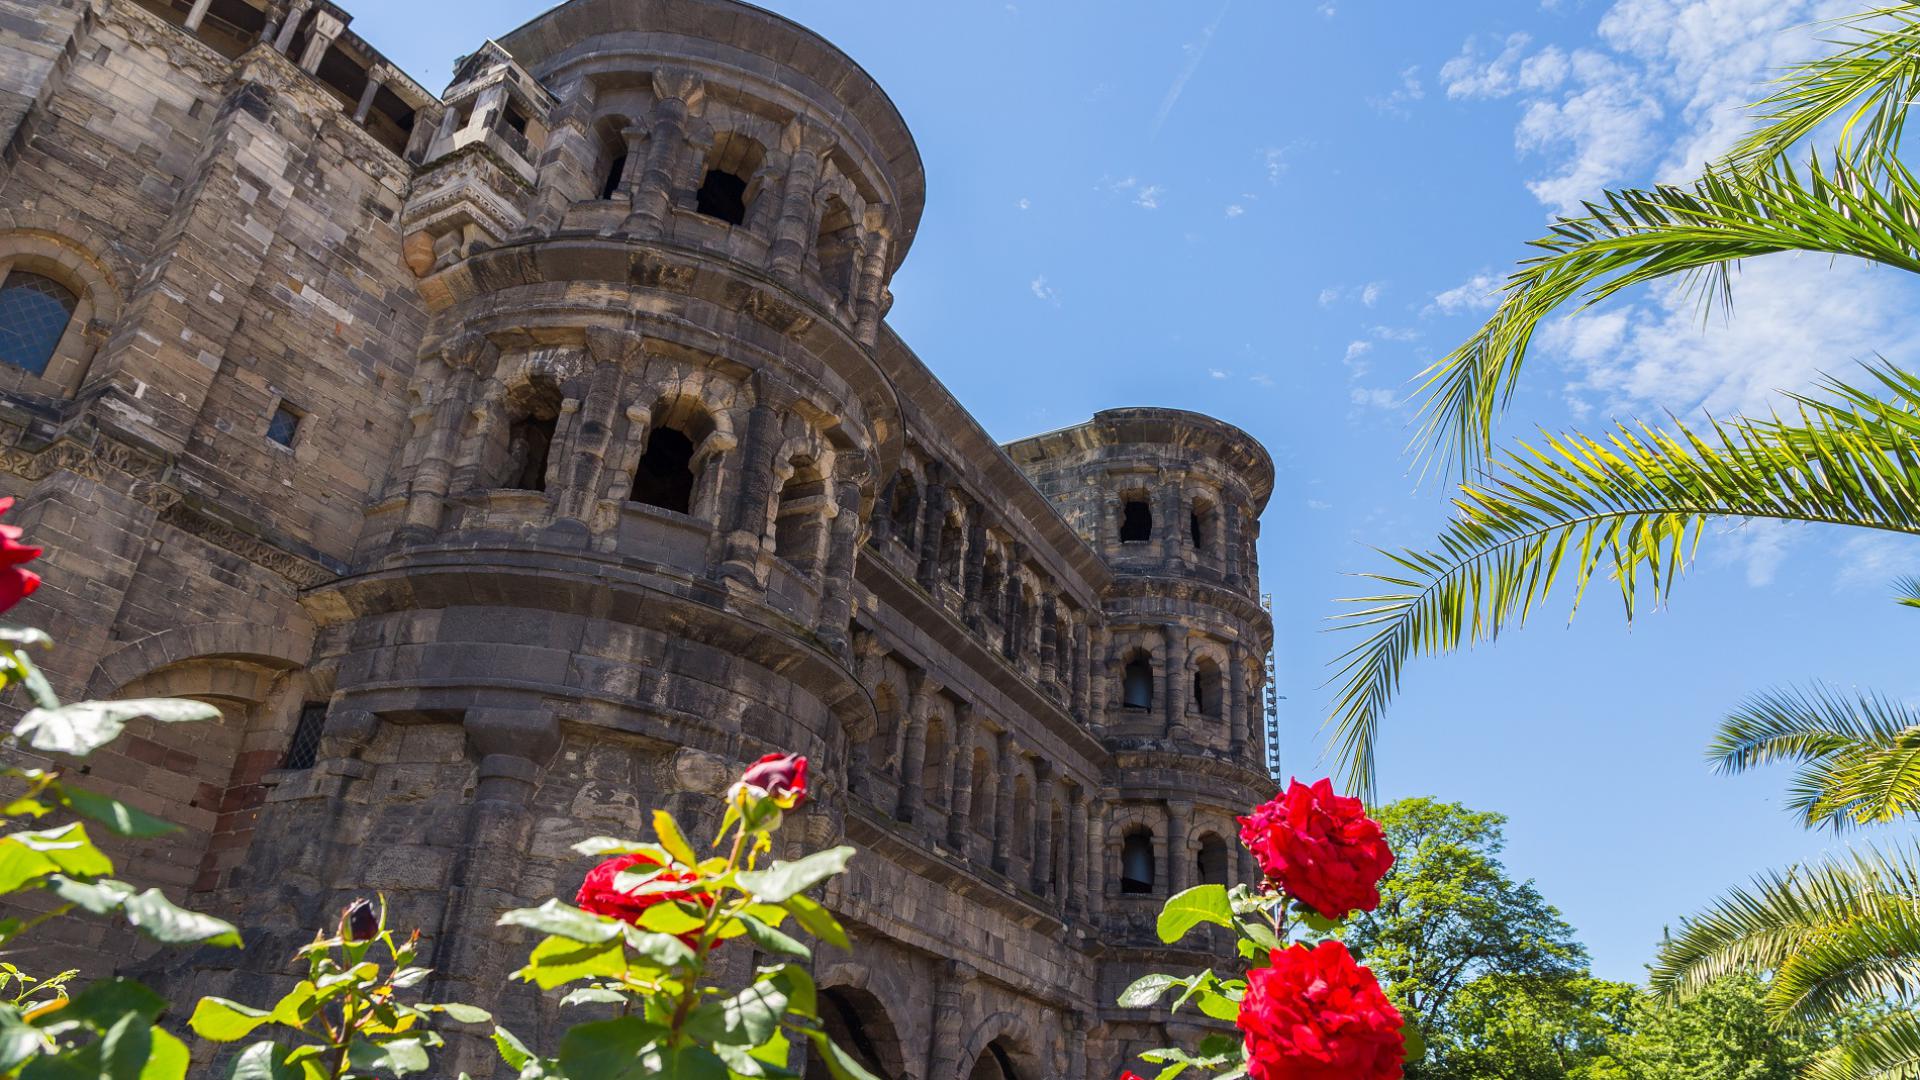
[105, 1002]
[96, 897]
[169, 1058]
[564, 920]
[1201, 904]
[605, 1049]
[815, 919]
[159, 918]
[401, 1057]
[512, 1050]
[752, 1015]
[594, 995]
[81, 728]
[671, 918]
[219, 1020]
[557, 961]
[114, 814]
[672, 839]
[125, 1047]
[785, 880]
[24, 635]
[462, 1014]
[18, 1040]
[664, 950]
[610, 845]
[268, 1061]
[773, 941]
[803, 997]
[1147, 991]
[1416, 1041]
[68, 847]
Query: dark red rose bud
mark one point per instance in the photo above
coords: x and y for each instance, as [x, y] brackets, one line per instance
[360, 922]
[782, 776]
[15, 583]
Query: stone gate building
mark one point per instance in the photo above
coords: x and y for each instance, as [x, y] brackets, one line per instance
[510, 462]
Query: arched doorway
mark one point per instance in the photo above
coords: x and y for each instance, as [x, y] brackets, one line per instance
[859, 1025]
[994, 1063]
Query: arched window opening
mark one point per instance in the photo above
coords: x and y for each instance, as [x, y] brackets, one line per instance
[993, 1064]
[904, 510]
[1215, 862]
[1136, 522]
[799, 532]
[723, 196]
[856, 1023]
[1136, 689]
[529, 441]
[1136, 863]
[664, 477]
[615, 173]
[1200, 527]
[883, 752]
[1206, 689]
[837, 248]
[34, 314]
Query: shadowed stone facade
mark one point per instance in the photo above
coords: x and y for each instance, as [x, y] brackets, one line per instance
[509, 463]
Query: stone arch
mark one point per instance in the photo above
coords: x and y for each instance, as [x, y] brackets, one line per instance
[677, 442]
[853, 1005]
[1132, 821]
[275, 647]
[837, 240]
[610, 168]
[1013, 1036]
[77, 259]
[733, 173]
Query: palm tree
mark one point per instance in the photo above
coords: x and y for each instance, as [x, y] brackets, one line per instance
[1633, 504]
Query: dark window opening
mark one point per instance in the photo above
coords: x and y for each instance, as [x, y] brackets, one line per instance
[34, 313]
[1197, 524]
[1136, 864]
[304, 749]
[665, 475]
[1214, 863]
[1136, 524]
[614, 175]
[724, 196]
[1137, 685]
[905, 511]
[516, 120]
[285, 425]
[529, 441]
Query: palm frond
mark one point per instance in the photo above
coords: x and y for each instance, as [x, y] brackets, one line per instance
[1867, 83]
[1868, 211]
[1633, 505]
[1888, 1049]
[1907, 592]
[1834, 934]
[1861, 755]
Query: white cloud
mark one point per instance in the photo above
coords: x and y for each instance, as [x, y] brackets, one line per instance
[1327, 11]
[1148, 197]
[1319, 504]
[1235, 210]
[1370, 292]
[1374, 398]
[1396, 333]
[1144, 195]
[1874, 562]
[1261, 379]
[1356, 358]
[1410, 90]
[1328, 297]
[1043, 291]
[1025, 204]
[1196, 55]
[1795, 317]
[1219, 374]
[1477, 293]
[1512, 71]
[1760, 546]
[1274, 158]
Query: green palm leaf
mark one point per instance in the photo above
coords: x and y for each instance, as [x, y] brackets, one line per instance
[1889, 1049]
[1861, 755]
[1633, 506]
[1834, 935]
[1865, 209]
[1867, 83]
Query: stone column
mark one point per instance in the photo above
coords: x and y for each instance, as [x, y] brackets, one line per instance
[197, 15]
[585, 453]
[1236, 701]
[1077, 874]
[1003, 805]
[1050, 644]
[949, 1013]
[1080, 672]
[1096, 861]
[377, 76]
[960, 782]
[326, 27]
[296, 11]
[836, 602]
[433, 476]
[1099, 677]
[1078, 1024]
[933, 528]
[974, 574]
[678, 94]
[1174, 687]
[747, 527]
[1013, 620]
[868, 306]
[568, 164]
[1179, 860]
[512, 747]
[1042, 869]
[913, 761]
[1229, 540]
[793, 230]
[868, 655]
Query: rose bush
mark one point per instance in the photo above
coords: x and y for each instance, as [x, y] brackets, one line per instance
[1305, 1010]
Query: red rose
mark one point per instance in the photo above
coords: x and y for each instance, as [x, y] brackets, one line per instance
[1317, 1015]
[15, 583]
[600, 896]
[782, 776]
[1321, 848]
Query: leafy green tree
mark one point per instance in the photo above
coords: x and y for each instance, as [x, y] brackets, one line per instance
[1721, 1033]
[1530, 1028]
[1450, 914]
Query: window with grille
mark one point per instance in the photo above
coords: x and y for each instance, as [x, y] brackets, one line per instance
[285, 425]
[304, 750]
[34, 313]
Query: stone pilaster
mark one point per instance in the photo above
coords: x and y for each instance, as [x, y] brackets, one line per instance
[793, 229]
[678, 94]
[747, 526]
[1174, 690]
[1180, 866]
[913, 761]
[1003, 806]
[1236, 700]
[460, 364]
[933, 528]
[1042, 869]
[843, 543]
[949, 1016]
[960, 785]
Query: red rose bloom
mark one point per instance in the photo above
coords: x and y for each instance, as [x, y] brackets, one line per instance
[782, 776]
[15, 583]
[599, 895]
[1317, 1015]
[1321, 848]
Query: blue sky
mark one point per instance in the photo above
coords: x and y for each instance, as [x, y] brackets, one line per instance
[1275, 212]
